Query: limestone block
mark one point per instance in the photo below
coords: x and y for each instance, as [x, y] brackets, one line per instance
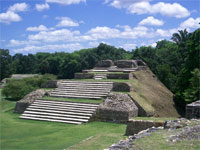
[125, 64]
[84, 76]
[104, 63]
[135, 126]
[117, 108]
[118, 76]
[121, 87]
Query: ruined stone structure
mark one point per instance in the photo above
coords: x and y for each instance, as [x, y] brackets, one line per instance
[193, 110]
[21, 76]
[117, 108]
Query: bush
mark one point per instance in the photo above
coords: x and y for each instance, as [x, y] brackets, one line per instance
[17, 89]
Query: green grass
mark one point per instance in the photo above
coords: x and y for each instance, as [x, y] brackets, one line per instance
[81, 100]
[162, 119]
[158, 141]
[21, 134]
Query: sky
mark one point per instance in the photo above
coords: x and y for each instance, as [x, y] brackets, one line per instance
[31, 26]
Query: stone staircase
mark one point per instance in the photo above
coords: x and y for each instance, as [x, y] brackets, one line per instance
[100, 76]
[82, 89]
[60, 111]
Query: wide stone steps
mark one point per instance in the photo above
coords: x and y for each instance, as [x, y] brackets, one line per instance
[82, 89]
[60, 111]
[100, 76]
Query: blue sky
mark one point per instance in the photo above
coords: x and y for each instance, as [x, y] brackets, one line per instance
[31, 26]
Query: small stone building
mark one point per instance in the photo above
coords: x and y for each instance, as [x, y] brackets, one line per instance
[193, 110]
[118, 108]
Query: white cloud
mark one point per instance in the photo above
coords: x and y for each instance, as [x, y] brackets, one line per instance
[66, 22]
[54, 36]
[151, 21]
[144, 7]
[39, 28]
[41, 7]
[18, 7]
[166, 33]
[9, 16]
[14, 43]
[190, 23]
[55, 47]
[123, 3]
[65, 2]
[103, 33]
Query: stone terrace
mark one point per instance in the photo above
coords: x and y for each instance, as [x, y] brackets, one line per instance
[82, 89]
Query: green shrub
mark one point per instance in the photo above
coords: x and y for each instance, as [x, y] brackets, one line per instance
[17, 89]
[46, 77]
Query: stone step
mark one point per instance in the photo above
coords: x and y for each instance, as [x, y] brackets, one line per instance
[84, 90]
[63, 109]
[60, 112]
[84, 86]
[79, 93]
[86, 82]
[75, 96]
[66, 102]
[68, 105]
[59, 106]
[55, 117]
[52, 120]
[56, 114]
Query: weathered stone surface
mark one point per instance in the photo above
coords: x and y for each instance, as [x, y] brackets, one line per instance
[117, 108]
[187, 133]
[125, 64]
[104, 63]
[21, 76]
[193, 110]
[3, 82]
[121, 87]
[128, 144]
[21, 105]
[175, 124]
[50, 84]
[140, 63]
[135, 126]
[84, 76]
[118, 76]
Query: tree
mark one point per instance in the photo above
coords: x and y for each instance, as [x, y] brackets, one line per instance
[5, 63]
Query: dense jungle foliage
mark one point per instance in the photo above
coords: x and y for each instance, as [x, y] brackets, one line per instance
[176, 63]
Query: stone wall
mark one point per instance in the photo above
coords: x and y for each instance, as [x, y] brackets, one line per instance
[50, 84]
[84, 76]
[118, 108]
[121, 87]
[135, 126]
[118, 76]
[104, 63]
[193, 110]
[21, 105]
[125, 64]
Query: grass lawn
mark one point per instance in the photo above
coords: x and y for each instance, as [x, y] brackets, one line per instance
[81, 100]
[159, 119]
[20, 134]
[158, 141]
